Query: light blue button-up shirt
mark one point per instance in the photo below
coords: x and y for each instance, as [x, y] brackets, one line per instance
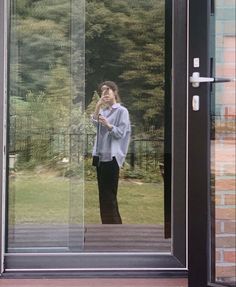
[113, 143]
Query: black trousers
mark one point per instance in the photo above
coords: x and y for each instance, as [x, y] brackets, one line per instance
[108, 177]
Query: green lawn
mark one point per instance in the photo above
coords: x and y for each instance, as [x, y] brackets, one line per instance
[51, 199]
[138, 202]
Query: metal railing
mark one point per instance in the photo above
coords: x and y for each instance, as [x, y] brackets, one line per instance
[143, 153]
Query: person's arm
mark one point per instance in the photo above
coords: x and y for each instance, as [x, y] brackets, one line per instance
[123, 125]
[97, 109]
[96, 113]
[120, 129]
[98, 106]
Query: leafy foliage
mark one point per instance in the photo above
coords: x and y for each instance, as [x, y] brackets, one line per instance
[124, 42]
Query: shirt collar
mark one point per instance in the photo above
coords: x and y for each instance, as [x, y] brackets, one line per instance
[115, 106]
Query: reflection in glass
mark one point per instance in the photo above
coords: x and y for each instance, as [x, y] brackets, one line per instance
[51, 135]
[125, 43]
[46, 126]
[223, 155]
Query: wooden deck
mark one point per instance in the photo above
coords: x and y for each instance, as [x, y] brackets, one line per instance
[96, 282]
[126, 238]
[92, 238]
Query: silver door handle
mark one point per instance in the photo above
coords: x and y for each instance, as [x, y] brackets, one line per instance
[195, 79]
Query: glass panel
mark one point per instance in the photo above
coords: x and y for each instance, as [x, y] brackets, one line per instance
[46, 126]
[51, 135]
[125, 43]
[223, 147]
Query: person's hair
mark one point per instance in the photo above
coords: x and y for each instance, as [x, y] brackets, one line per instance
[113, 86]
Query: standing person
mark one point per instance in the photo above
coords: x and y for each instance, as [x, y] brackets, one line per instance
[110, 148]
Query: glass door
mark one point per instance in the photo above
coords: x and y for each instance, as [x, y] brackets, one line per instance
[59, 53]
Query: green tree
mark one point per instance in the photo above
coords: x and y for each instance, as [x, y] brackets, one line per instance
[125, 43]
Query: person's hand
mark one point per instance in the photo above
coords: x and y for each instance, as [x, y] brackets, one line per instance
[102, 101]
[103, 120]
[99, 104]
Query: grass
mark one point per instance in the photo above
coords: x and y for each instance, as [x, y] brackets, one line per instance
[139, 203]
[47, 198]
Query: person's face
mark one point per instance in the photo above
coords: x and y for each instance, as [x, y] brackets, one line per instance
[107, 95]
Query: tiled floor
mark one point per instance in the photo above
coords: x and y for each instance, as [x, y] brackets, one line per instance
[93, 282]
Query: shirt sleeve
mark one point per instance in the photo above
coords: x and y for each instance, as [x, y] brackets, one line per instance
[118, 131]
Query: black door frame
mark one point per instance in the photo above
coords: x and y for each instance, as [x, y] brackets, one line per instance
[198, 146]
[161, 265]
[200, 253]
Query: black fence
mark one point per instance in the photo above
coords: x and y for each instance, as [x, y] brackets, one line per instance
[143, 153]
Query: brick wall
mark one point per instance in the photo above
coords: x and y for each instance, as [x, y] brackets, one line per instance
[223, 146]
[225, 209]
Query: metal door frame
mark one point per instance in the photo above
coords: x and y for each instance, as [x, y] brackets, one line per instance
[199, 148]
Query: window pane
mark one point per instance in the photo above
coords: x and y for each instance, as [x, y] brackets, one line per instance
[223, 147]
[125, 43]
[51, 135]
[46, 126]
